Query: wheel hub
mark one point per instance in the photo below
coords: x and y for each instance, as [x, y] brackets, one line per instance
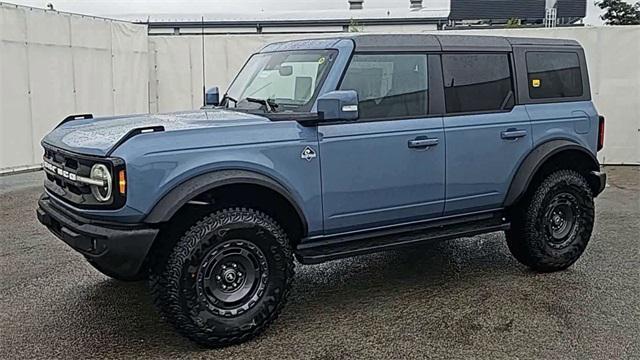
[232, 277]
[558, 220]
[561, 216]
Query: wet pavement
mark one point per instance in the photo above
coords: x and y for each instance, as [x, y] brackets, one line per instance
[462, 299]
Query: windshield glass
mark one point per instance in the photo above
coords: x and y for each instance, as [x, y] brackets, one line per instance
[280, 81]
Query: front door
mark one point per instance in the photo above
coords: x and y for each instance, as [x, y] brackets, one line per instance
[387, 167]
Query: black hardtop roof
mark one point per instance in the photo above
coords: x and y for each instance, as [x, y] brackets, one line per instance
[433, 42]
[452, 42]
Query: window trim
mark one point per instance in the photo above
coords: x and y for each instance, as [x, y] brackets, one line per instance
[526, 63]
[430, 82]
[513, 76]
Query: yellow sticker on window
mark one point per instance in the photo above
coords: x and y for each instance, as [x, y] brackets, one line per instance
[321, 60]
[535, 83]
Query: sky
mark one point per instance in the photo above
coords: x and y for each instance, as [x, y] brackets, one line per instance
[116, 8]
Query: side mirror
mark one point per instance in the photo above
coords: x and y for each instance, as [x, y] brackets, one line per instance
[212, 97]
[338, 105]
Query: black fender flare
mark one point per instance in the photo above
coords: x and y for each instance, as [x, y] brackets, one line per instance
[178, 196]
[535, 159]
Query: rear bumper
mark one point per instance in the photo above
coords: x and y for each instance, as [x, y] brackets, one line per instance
[118, 249]
[600, 181]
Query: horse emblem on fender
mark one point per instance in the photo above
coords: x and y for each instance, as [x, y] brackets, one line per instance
[308, 153]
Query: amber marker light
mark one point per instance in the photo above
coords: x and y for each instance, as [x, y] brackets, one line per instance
[122, 182]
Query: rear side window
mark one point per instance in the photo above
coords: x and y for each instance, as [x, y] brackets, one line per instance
[389, 86]
[477, 82]
[553, 75]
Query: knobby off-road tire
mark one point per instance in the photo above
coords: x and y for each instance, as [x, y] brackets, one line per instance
[551, 227]
[226, 279]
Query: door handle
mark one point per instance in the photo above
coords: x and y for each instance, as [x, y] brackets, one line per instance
[422, 142]
[512, 134]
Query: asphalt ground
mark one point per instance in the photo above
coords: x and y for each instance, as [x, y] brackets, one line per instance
[460, 299]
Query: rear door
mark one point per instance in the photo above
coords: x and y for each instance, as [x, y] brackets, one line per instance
[487, 135]
[387, 167]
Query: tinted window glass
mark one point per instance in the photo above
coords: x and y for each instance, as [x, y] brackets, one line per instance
[388, 86]
[554, 75]
[477, 82]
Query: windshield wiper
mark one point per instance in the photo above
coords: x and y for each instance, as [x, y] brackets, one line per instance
[269, 104]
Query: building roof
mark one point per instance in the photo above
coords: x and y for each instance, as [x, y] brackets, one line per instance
[432, 9]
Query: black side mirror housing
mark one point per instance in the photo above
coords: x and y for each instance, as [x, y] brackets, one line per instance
[212, 97]
[338, 105]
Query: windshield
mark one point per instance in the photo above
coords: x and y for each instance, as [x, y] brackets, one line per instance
[280, 81]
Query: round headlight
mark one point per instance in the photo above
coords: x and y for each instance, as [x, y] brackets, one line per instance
[101, 172]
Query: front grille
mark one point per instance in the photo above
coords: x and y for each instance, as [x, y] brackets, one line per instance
[63, 187]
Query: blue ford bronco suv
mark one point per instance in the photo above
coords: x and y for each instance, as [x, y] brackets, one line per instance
[328, 148]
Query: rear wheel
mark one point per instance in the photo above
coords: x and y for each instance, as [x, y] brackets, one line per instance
[552, 226]
[226, 279]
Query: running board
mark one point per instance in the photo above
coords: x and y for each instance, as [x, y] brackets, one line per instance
[310, 253]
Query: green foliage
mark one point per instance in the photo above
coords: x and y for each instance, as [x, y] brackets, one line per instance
[513, 23]
[355, 26]
[620, 12]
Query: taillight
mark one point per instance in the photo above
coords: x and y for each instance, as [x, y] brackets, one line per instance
[600, 132]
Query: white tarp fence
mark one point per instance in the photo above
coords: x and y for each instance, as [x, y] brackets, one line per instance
[53, 65]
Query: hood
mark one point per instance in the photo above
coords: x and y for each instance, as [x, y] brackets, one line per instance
[98, 136]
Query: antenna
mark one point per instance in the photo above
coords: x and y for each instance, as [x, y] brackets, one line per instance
[204, 73]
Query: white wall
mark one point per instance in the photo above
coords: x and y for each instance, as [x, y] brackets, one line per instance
[53, 65]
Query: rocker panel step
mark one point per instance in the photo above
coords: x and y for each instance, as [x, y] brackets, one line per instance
[312, 253]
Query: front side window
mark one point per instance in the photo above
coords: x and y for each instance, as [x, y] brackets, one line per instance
[287, 80]
[477, 82]
[553, 74]
[389, 85]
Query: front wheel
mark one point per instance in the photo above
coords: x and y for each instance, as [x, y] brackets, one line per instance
[226, 279]
[552, 226]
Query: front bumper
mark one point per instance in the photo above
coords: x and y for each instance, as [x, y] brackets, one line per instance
[599, 179]
[119, 249]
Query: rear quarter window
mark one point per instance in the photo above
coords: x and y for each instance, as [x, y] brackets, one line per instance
[553, 75]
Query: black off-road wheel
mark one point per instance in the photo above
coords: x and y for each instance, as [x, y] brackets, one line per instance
[552, 226]
[226, 279]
